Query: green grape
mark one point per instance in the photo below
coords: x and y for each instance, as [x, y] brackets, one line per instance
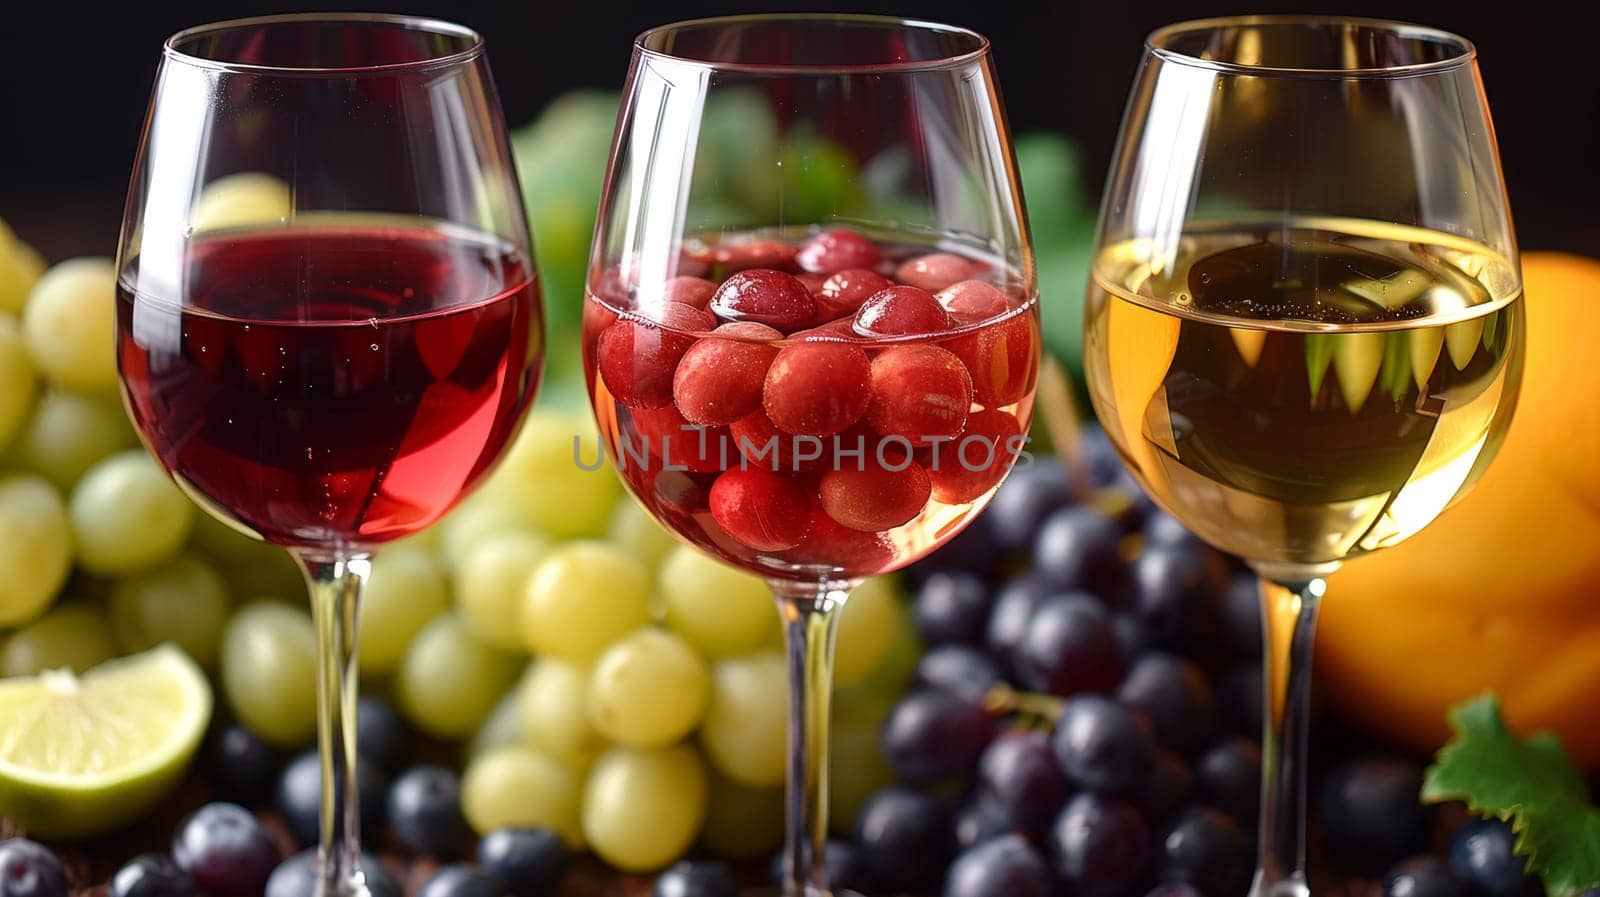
[643, 808]
[519, 787]
[448, 680]
[269, 672]
[894, 671]
[747, 725]
[242, 199]
[721, 610]
[857, 768]
[18, 382]
[489, 583]
[182, 601]
[222, 542]
[582, 597]
[541, 478]
[634, 531]
[648, 690]
[742, 823]
[405, 590]
[69, 635]
[867, 626]
[425, 539]
[501, 728]
[475, 521]
[127, 516]
[70, 325]
[552, 707]
[35, 547]
[20, 267]
[67, 434]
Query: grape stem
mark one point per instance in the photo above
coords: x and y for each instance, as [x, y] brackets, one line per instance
[1003, 699]
[335, 583]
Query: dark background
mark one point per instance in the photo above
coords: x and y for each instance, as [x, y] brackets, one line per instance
[75, 83]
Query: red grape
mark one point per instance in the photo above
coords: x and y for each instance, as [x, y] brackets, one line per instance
[637, 359]
[978, 459]
[817, 388]
[760, 509]
[919, 392]
[899, 311]
[695, 291]
[871, 497]
[835, 330]
[683, 493]
[836, 250]
[935, 271]
[835, 545]
[755, 254]
[1003, 358]
[844, 291]
[674, 441]
[766, 447]
[813, 283]
[765, 296]
[973, 300]
[719, 381]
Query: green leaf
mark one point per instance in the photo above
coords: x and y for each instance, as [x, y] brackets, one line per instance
[1531, 784]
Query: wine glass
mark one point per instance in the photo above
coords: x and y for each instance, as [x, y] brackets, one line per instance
[328, 325]
[811, 331]
[1304, 329]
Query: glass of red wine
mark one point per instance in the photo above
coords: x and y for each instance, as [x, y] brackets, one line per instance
[328, 325]
[811, 330]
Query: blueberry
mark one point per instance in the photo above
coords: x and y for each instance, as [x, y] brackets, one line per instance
[696, 880]
[1018, 774]
[151, 875]
[243, 766]
[1205, 848]
[380, 734]
[226, 849]
[1100, 846]
[1421, 876]
[29, 869]
[1371, 817]
[461, 880]
[959, 670]
[1167, 787]
[952, 608]
[845, 868]
[934, 736]
[1174, 697]
[978, 819]
[1481, 858]
[1101, 745]
[1005, 865]
[1027, 496]
[1239, 696]
[528, 861]
[1076, 548]
[905, 836]
[300, 794]
[1175, 598]
[1241, 618]
[297, 877]
[1069, 647]
[424, 809]
[1014, 605]
[1228, 777]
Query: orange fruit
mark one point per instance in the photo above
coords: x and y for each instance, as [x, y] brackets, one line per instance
[1502, 591]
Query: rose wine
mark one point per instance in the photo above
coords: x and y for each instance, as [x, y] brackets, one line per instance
[816, 403]
[1300, 394]
[331, 385]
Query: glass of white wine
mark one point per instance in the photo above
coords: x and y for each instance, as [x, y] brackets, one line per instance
[1304, 327]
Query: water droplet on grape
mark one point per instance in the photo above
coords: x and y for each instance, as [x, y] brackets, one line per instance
[374, 347]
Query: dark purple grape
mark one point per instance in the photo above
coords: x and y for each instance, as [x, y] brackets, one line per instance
[1174, 889]
[1100, 457]
[297, 877]
[1241, 618]
[1371, 817]
[1206, 849]
[424, 809]
[1175, 598]
[381, 735]
[528, 861]
[243, 766]
[1164, 530]
[461, 880]
[1239, 695]
[1076, 548]
[1018, 774]
[1228, 776]
[934, 736]
[1131, 636]
[300, 794]
[1482, 860]
[1174, 697]
[686, 879]
[905, 835]
[29, 869]
[1100, 846]
[963, 671]
[952, 608]
[979, 819]
[1421, 876]
[1069, 647]
[226, 849]
[1026, 497]
[1101, 745]
[845, 868]
[1014, 605]
[1168, 786]
[149, 875]
[1006, 865]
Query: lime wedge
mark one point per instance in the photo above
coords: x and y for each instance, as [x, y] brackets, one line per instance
[80, 755]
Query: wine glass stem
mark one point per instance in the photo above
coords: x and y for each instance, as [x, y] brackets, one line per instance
[810, 622]
[335, 583]
[1289, 618]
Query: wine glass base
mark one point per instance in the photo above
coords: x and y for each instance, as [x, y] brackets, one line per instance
[1289, 886]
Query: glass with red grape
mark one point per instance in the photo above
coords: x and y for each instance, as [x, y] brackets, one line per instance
[328, 325]
[811, 330]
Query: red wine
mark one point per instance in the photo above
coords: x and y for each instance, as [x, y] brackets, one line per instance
[331, 385]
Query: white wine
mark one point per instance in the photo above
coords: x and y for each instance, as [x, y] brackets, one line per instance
[1302, 393]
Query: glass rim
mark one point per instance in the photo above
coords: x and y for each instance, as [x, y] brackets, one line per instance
[171, 49]
[1157, 43]
[979, 49]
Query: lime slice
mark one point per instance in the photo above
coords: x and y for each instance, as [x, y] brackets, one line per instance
[81, 755]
